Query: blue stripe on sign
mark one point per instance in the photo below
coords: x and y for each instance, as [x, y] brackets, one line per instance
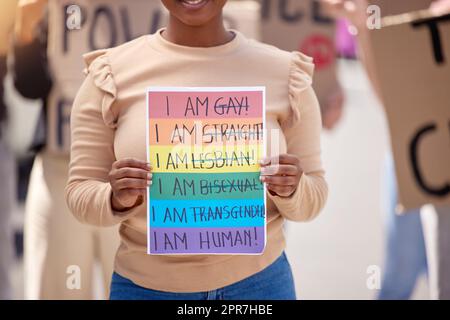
[206, 213]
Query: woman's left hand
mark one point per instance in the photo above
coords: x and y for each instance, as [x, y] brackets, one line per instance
[281, 174]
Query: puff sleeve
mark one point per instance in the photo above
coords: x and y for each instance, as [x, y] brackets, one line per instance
[302, 129]
[88, 192]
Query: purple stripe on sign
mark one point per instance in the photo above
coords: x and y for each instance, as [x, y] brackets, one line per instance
[207, 240]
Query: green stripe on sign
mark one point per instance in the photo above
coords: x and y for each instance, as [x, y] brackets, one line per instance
[203, 186]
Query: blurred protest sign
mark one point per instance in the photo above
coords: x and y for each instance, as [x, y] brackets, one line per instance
[80, 26]
[204, 144]
[412, 59]
[304, 26]
[394, 7]
[243, 16]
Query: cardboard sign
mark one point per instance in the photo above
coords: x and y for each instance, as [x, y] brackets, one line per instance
[104, 24]
[204, 145]
[303, 26]
[412, 58]
[243, 16]
[394, 7]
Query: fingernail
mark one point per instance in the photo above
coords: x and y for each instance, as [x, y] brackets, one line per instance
[262, 178]
[149, 175]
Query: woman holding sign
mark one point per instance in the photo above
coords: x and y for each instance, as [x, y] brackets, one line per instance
[109, 174]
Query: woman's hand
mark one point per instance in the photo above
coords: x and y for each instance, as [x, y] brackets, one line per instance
[440, 7]
[353, 10]
[29, 14]
[281, 174]
[129, 179]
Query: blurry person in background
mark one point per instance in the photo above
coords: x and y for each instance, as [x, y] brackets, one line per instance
[50, 38]
[436, 223]
[345, 40]
[405, 258]
[7, 164]
[333, 110]
[407, 248]
[304, 25]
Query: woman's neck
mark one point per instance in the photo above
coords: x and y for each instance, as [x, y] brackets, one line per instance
[210, 35]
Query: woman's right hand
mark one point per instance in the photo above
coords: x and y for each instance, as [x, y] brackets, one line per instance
[353, 10]
[129, 179]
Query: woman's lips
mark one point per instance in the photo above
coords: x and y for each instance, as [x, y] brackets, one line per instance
[193, 4]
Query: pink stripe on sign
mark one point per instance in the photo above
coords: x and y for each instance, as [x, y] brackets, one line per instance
[203, 104]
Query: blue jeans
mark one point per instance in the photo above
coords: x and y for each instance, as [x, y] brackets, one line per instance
[405, 257]
[273, 283]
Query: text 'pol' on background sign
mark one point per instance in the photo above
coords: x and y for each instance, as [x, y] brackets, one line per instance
[204, 145]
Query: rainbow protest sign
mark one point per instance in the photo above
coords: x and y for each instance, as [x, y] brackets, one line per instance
[204, 145]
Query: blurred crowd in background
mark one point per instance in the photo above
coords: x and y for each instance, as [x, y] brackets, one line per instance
[41, 43]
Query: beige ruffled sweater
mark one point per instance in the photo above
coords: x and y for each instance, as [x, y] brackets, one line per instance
[108, 123]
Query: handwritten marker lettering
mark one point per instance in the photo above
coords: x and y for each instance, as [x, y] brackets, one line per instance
[205, 144]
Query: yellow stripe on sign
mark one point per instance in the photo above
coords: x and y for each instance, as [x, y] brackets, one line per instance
[204, 159]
